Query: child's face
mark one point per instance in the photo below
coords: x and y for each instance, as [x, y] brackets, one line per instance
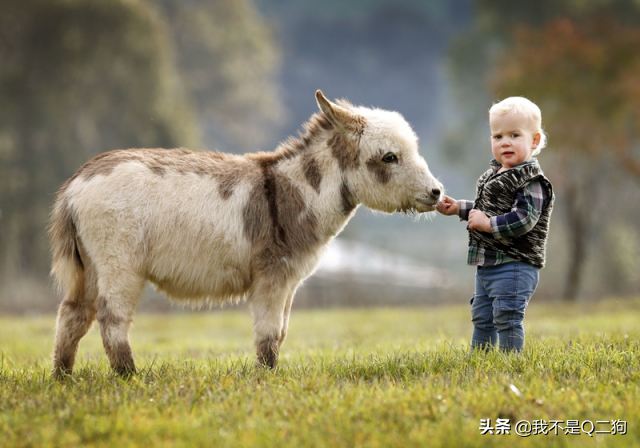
[512, 139]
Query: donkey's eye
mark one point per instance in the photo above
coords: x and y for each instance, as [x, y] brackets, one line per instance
[390, 158]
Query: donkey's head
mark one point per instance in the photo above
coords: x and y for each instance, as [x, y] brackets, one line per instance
[378, 153]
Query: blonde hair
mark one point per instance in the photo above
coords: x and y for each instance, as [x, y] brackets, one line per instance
[527, 109]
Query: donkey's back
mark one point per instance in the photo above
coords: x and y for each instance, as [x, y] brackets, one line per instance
[173, 217]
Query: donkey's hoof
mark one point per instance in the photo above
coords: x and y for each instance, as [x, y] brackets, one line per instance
[60, 374]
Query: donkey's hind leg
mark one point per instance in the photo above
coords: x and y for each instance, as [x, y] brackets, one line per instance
[285, 317]
[75, 316]
[116, 305]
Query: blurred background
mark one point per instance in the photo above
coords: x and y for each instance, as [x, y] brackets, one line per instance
[79, 78]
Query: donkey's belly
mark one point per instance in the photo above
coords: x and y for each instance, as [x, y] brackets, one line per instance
[219, 285]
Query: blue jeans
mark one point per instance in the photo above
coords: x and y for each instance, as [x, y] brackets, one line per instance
[497, 307]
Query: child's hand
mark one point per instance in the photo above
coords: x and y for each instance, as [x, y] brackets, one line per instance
[448, 206]
[479, 221]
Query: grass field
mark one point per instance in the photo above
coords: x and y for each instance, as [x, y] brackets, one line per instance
[372, 377]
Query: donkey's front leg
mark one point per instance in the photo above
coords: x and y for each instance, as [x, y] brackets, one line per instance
[267, 303]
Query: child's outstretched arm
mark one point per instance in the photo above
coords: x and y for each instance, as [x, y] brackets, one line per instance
[448, 206]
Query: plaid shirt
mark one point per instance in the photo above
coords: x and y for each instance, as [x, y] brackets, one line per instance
[522, 218]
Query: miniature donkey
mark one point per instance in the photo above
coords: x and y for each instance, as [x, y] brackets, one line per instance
[212, 228]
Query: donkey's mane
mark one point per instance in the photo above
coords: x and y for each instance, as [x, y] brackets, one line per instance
[317, 125]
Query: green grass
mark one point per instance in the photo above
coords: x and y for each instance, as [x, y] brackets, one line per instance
[379, 377]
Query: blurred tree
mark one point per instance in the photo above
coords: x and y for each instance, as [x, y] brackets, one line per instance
[76, 78]
[579, 62]
[622, 241]
[228, 60]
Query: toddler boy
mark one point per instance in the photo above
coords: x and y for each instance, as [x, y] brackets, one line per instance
[508, 224]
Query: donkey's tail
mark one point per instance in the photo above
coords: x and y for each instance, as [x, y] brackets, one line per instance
[67, 266]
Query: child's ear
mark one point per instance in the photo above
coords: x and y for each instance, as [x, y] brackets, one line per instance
[536, 140]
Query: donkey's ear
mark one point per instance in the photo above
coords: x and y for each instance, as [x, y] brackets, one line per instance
[341, 118]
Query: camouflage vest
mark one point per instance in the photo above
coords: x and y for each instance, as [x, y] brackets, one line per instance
[495, 195]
